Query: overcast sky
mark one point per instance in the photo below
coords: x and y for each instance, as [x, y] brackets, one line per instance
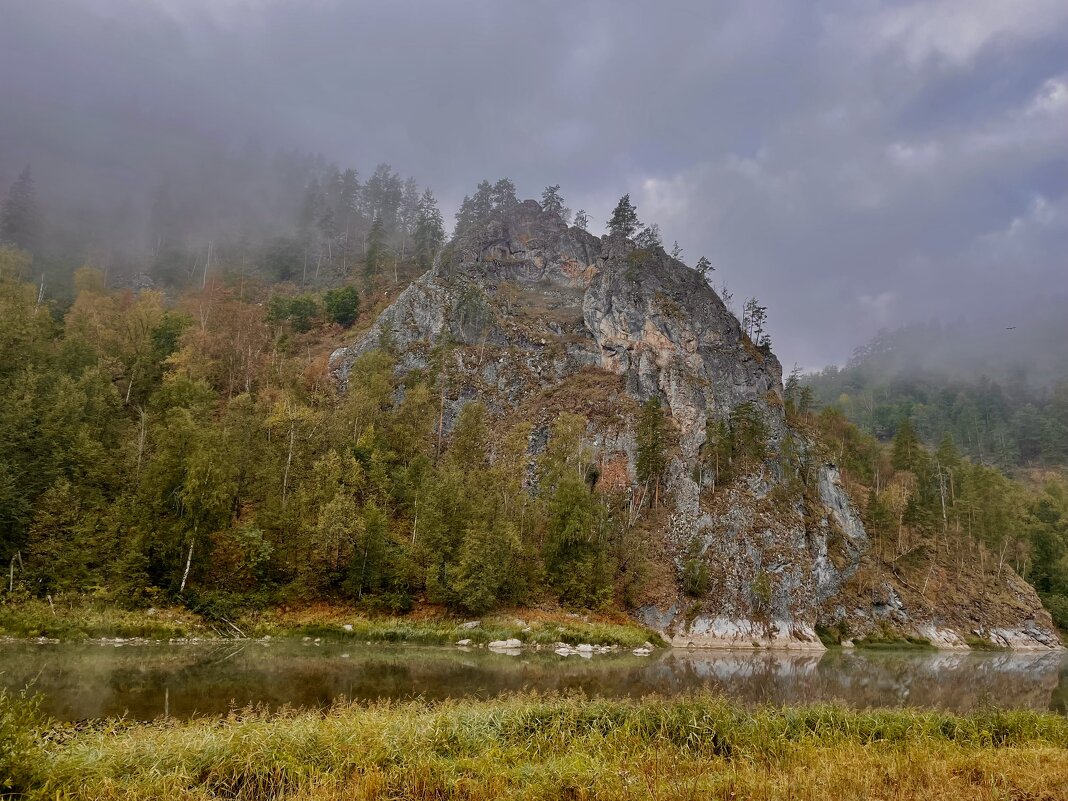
[855, 165]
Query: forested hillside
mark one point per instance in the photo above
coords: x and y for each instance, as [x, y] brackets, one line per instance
[156, 447]
[961, 433]
[1000, 392]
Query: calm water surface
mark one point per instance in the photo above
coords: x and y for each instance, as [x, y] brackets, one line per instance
[145, 681]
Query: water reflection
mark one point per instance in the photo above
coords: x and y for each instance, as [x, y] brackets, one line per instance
[144, 681]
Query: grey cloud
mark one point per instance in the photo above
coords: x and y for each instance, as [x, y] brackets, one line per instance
[852, 165]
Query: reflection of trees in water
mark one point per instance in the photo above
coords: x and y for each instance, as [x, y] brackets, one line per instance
[1059, 700]
[80, 681]
[959, 681]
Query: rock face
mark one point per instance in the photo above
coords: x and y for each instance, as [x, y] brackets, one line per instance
[544, 318]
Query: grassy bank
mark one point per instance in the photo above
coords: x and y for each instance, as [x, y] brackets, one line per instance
[525, 625]
[91, 620]
[550, 748]
[86, 620]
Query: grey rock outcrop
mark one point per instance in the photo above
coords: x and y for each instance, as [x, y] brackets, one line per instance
[532, 307]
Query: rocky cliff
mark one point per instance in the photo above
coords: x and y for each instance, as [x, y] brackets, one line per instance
[543, 318]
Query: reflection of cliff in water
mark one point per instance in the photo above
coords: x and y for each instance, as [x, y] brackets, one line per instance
[959, 681]
[88, 680]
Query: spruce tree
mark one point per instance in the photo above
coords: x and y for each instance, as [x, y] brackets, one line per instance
[429, 230]
[651, 460]
[376, 247]
[624, 218]
[503, 195]
[482, 201]
[906, 450]
[18, 218]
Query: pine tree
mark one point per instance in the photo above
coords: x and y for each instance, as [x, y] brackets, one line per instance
[649, 238]
[19, 221]
[551, 202]
[753, 318]
[704, 267]
[582, 219]
[503, 195]
[429, 230]
[376, 248]
[676, 250]
[624, 219]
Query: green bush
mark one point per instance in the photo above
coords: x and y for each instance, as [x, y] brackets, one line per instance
[343, 305]
[300, 311]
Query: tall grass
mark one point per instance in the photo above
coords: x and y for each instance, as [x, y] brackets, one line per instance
[538, 747]
[443, 631]
[86, 619]
[93, 620]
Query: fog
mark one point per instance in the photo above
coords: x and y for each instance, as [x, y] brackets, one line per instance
[855, 166]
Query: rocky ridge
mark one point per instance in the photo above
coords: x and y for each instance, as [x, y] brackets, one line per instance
[542, 317]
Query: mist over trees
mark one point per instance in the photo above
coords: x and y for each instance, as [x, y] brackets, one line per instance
[283, 217]
[998, 388]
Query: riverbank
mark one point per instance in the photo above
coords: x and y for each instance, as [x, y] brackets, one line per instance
[529, 747]
[35, 619]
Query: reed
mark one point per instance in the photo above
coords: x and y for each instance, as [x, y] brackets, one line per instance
[551, 747]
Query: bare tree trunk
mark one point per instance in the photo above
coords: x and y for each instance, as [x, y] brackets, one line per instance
[441, 422]
[188, 563]
[289, 461]
[415, 520]
[141, 437]
[363, 567]
[207, 263]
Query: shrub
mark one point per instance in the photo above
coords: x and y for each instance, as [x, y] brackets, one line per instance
[343, 305]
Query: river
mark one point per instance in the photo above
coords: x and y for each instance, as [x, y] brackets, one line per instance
[145, 680]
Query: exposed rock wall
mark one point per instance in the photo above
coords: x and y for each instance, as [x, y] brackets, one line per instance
[530, 305]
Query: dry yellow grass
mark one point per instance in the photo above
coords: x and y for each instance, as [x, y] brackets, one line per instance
[531, 747]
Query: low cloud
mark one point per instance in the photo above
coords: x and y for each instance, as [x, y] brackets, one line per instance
[851, 165]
